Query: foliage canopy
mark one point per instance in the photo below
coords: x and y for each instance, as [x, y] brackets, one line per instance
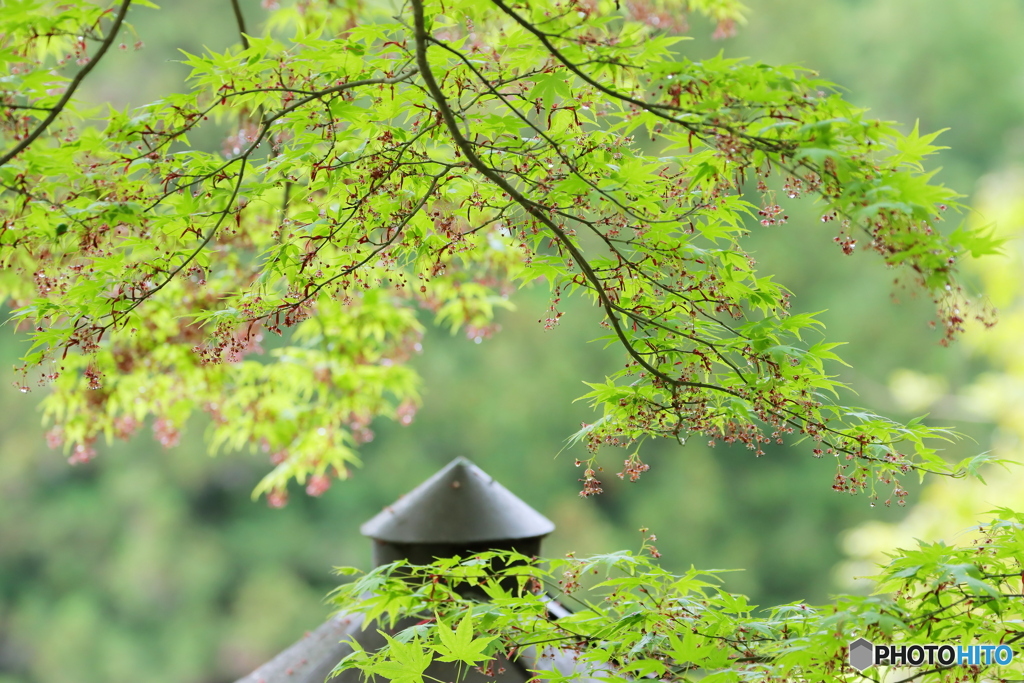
[376, 164]
[436, 156]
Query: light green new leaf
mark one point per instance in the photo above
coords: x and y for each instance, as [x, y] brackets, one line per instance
[405, 663]
[460, 645]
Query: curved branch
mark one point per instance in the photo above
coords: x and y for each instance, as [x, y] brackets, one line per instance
[72, 87]
[531, 207]
[542, 133]
[658, 110]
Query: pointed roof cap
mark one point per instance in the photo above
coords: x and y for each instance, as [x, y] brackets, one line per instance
[459, 504]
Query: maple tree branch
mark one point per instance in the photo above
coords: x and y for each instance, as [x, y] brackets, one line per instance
[541, 133]
[240, 20]
[784, 413]
[659, 110]
[531, 207]
[72, 87]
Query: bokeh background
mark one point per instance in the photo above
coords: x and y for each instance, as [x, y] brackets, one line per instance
[151, 565]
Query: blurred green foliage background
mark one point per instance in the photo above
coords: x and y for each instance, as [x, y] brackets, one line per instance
[153, 565]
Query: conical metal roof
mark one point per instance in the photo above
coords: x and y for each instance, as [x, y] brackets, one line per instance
[459, 504]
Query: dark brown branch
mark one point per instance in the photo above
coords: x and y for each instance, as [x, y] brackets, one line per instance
[532, 208]
[240, 20]
[541, 133]
[27, 107]
[659, 110]
[545, 40]
[72, 87]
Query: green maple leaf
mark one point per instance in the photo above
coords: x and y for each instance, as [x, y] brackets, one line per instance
[406, 662]
[550, 88]
[981, 242]
[460, 645]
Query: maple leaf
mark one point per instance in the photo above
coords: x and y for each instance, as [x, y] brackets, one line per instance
[406, 661]
[460, 645]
